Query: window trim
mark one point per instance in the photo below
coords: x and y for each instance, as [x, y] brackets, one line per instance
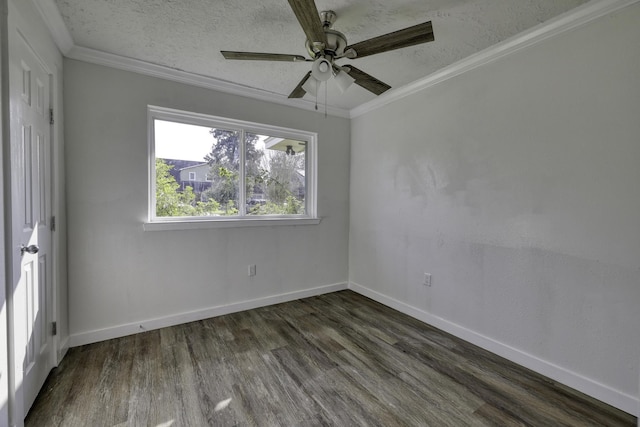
[242, 220]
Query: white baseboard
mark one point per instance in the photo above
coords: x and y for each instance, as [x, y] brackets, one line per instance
[562, 375]
[97, 335]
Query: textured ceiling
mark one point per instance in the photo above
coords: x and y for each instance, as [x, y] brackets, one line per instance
[188, 35]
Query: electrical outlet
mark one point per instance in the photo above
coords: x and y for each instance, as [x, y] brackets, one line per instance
[427, 279]
[252, 270]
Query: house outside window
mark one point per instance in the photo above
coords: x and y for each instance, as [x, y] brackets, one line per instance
[212, 169]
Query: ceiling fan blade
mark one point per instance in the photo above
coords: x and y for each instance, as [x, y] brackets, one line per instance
[309, 19]
[367, 81]
[410, 36]
[258, 56]
[298, 92]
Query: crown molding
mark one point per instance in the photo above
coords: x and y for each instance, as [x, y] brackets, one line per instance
[574, 18]
[160, 71]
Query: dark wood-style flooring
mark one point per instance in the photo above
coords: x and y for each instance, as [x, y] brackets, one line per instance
[334, 360]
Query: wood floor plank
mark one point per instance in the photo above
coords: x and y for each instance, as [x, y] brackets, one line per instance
[148, 401]
[212, 386]
[346, 403]
[497, 417]
[338, 359]
[84, 393]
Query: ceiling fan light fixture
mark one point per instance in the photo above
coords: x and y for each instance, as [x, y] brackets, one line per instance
[343, 81]
[321, 69]
[311, 86]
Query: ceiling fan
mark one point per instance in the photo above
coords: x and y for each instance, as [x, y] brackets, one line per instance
[325, 46]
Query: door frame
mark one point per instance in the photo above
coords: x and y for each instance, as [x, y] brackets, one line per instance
[40, 42]
[5, 225]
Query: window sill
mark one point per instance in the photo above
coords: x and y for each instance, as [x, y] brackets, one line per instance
[227, 223]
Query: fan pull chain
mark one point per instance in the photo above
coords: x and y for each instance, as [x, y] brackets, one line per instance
[326, 84]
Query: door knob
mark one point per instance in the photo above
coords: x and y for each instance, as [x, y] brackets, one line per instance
[31, 249]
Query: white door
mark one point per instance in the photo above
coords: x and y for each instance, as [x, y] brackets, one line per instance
[31, 217]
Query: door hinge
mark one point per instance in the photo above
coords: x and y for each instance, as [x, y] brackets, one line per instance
[54, 328]
[51, 121]
[53, 223]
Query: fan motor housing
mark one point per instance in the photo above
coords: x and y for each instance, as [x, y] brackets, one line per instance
[336, 43]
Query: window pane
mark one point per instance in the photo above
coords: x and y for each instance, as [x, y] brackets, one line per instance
[224, 171]
[196, 170]
[275, 170]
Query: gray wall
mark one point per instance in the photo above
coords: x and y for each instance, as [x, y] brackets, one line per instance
[516, 185]
[120, 274]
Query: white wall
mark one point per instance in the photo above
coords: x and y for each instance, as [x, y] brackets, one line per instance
[516, 185]
[120, 275]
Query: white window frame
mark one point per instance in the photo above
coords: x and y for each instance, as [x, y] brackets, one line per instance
[192, 174]
[241, 220]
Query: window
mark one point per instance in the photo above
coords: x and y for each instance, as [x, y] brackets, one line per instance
[249, 173]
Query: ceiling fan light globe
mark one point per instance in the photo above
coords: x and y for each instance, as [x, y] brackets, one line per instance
[343, 81]
[321, 69]
[311, 86]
